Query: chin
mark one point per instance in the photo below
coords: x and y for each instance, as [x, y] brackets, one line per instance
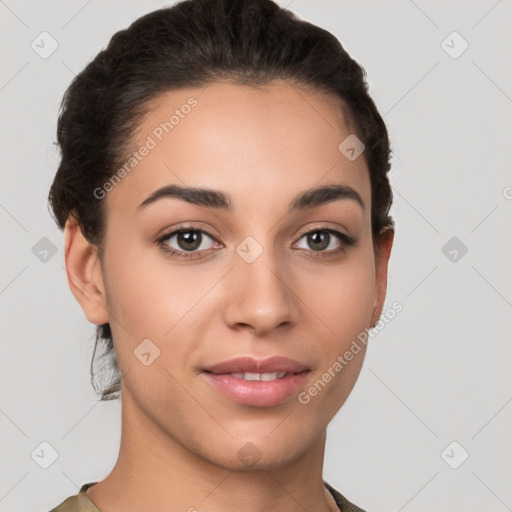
[257, 461]
[253, 453]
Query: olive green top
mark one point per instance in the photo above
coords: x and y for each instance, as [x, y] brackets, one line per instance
[81, 502]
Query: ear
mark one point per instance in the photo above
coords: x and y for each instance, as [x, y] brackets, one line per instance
[382, 253]
[85, 278]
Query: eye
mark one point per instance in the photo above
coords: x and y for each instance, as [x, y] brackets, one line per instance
[186, 240]
[326, 240]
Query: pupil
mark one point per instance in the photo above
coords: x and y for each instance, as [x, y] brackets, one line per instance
[319, 236]
[189, 240]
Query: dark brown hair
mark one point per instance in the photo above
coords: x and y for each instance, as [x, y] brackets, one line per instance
[193, 43]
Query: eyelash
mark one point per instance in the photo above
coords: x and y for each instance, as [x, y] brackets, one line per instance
[346, 240]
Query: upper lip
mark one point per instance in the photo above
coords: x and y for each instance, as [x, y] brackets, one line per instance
[251, 365]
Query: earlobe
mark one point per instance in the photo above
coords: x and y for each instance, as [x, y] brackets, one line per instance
[382, 254]
[85, 278]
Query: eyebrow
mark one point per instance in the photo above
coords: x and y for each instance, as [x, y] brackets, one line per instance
[216, 199]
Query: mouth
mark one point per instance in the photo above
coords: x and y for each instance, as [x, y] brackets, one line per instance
[259, 383]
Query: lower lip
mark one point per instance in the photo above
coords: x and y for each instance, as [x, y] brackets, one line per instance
[255, 392]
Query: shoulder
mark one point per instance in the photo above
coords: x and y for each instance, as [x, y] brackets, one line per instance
[80, 502]
[342, 502]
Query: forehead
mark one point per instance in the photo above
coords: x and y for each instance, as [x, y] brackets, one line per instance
[267, 142]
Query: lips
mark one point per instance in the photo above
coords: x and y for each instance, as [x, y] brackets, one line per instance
[274, 364]
[254, 382]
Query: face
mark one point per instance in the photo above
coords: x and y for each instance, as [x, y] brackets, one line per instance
[194, 280]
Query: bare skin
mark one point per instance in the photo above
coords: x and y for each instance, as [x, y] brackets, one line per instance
[181, 438]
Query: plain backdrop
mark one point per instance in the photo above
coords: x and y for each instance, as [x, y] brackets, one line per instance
[427, 426]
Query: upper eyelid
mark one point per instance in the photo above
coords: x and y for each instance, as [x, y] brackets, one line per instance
[175, 231]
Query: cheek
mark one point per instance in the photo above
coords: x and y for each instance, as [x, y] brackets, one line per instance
[147, 291]
[342, 297]
[344, 306]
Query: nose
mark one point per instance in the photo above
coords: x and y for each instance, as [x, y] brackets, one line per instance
[258, 296]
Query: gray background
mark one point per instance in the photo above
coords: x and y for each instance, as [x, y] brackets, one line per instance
[438, 372]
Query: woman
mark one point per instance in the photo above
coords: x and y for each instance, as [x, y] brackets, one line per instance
[224, 197]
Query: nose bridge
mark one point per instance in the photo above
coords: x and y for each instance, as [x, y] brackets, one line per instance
[257, 294]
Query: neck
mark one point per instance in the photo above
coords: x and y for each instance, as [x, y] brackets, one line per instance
[154, 471]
